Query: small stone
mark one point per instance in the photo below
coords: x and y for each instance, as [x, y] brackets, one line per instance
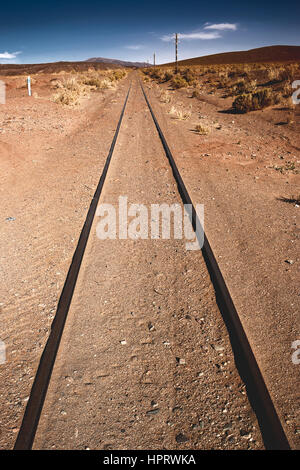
[10, 219]
[217, 347]
[289, 261]
[146, 341]
[227, 426]
[181, 438]
[179, 360]
[152, 412]
[123, 342]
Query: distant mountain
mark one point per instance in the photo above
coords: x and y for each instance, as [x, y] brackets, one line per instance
[261, 54]
[52, 67]
[121, 63]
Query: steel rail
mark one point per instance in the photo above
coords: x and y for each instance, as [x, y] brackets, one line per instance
[39, 388]
[272, 431]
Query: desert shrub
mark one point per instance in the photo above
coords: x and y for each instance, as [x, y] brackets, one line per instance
[200, 129]
[168, 75]
[165, 97]
[159, 74]
[254, 101]
[178, 82]
[118, 74]
[196, 94]
[189, 75]
[285, 88]
[71, 90]
[72, 84]
[179, 114]
[66, 97]
[107, 84]
[244, 86]
[273, 73]
[156, 73]
[92, 81]
[55, 83]
[223, 82]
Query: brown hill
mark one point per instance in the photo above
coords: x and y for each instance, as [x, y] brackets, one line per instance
[53, 67]
[261, 54]
[121, 63]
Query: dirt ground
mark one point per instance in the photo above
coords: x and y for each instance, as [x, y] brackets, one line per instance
[51, 159]
[240, 170]
[145, 362]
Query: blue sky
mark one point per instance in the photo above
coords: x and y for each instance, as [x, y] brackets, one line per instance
[46, 31]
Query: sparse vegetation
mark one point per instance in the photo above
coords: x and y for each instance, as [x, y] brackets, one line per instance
[179, 114]
[253, 86]
[254, 101]
[73, 89]
[178, 82]
[200, 129]
[196, 94]
[165, 97]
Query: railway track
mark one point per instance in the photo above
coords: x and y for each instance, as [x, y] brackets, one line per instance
[259, 397]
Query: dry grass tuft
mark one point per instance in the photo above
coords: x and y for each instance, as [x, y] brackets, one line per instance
[202, 130]
[178, 82]
[196, 94]
[165, 97]
[254, 101]
[179, 114]
[73, 89]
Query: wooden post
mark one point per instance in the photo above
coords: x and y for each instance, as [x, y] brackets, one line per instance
[176, 52]
[2, 97]
[29, 86]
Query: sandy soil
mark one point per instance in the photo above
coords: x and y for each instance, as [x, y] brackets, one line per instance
[51, 167]
[51, 158]
[240, 170]
[145, 362]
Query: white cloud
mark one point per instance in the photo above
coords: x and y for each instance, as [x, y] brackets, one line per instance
[8, 55]
[192, 36]
[222, 26]
[134, 48]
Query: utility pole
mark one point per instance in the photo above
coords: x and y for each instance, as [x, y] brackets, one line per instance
[154, 59]
[176, 51]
